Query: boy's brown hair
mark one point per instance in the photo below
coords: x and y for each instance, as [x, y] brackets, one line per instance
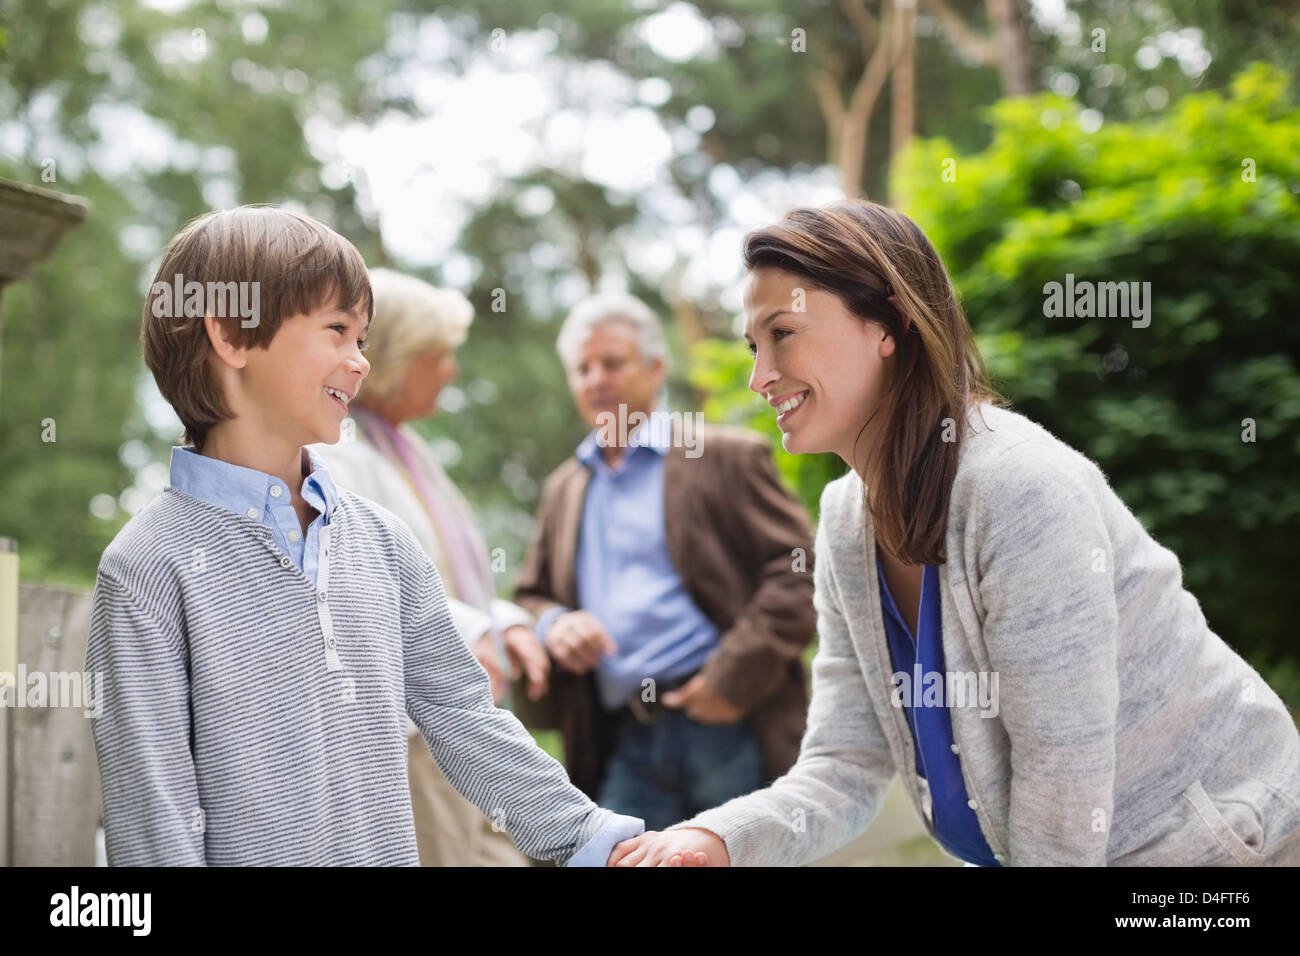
[292, 265]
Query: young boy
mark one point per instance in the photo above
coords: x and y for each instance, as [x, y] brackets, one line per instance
[262, 634]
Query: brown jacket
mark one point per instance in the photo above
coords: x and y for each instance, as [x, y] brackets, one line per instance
[742, 546]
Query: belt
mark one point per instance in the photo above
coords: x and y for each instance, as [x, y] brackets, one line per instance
[648, 711]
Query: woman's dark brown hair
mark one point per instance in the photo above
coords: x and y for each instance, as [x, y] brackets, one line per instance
[863, 252]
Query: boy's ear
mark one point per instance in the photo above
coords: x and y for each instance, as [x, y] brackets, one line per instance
[222, 341]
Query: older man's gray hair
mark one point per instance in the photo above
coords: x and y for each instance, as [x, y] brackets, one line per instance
[606, 308]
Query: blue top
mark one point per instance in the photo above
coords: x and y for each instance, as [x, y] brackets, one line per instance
[625, 576]
[937, 761]
[265, 499]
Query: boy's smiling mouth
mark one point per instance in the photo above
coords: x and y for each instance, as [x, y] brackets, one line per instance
[338, 395]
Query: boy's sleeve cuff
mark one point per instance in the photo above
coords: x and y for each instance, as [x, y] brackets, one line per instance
[613, 832]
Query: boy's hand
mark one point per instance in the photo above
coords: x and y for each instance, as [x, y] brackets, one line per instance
[529, 657]
[686, 847]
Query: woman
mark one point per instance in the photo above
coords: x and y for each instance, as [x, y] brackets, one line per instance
[412, 336]
[995, 625]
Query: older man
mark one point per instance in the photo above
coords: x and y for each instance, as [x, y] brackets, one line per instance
[670, 572]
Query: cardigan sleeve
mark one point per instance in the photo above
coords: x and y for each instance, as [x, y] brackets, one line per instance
[836, 787]
[1051, 629]
[152, 812]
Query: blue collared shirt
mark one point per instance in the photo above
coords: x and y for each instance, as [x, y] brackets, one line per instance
[937, 761]
[625, 575]
[262, 497]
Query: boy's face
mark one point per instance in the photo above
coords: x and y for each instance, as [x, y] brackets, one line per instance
[285, 388]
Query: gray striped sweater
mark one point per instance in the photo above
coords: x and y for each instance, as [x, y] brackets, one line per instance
[1125, 731]
[251, 719]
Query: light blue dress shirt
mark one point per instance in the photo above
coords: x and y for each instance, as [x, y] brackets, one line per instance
[264, 498]
[625, 576]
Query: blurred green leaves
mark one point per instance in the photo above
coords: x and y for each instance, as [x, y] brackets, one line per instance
[1167, 201]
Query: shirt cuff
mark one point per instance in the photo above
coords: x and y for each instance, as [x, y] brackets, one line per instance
[613, 832]
[546, 619]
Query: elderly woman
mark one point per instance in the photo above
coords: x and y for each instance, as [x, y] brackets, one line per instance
[996, 627]
[412, 336]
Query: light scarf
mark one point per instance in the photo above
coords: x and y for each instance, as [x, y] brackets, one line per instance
[464, 566]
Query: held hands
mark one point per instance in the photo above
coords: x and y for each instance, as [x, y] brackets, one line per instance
[688, 846]
[577, 641]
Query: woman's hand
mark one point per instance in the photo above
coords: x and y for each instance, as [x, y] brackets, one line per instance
[527, 656]
[689, 846]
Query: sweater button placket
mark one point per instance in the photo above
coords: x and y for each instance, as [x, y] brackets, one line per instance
[332, 661]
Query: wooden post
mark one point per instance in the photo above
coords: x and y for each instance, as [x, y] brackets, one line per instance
[8, 670]
[55, 787]
[33, 832]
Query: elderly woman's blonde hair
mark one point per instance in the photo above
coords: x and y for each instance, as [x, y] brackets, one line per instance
[411, 317]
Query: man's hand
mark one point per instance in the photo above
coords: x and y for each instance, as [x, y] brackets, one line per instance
[577, 641]
[486, 654]
[686, 847]
[529, 657]
[701, 703]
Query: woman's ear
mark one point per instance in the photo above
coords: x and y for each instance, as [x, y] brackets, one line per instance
[887, 344]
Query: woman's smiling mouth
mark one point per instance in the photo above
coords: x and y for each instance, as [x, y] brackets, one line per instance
[789, 406]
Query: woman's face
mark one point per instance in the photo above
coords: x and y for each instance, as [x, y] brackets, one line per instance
[426, 375]
[437, 370]
[809, 348]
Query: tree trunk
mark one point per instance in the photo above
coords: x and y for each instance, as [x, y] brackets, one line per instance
[1007, 48]
[848, 124]
[1013, 59]
[903, 85]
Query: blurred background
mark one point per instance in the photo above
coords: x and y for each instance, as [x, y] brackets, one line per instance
[527, 153]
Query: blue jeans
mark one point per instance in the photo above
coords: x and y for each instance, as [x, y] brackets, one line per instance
[674, 768]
